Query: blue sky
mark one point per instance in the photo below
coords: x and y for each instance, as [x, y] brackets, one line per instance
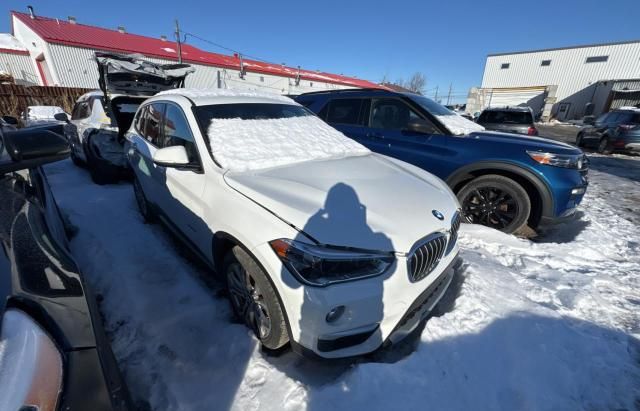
[446, 40]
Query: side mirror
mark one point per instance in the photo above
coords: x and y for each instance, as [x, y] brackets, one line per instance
[10, 120]
[29, 148]
[589, 120]
[420, 126]
[174, 156]
[61, 117]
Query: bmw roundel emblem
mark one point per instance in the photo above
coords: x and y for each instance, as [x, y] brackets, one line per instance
[437, 214]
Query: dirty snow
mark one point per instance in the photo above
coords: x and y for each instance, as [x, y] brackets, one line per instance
[8, 42]
[546, 325]
[459, 125]
[194, 93]
[242, 145]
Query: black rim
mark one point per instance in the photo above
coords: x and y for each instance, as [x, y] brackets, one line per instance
[490, 206]
[248, 301]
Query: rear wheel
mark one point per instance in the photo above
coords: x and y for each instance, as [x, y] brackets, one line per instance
[253, 299]
[604, 146]
[76, 160]
[495, 201]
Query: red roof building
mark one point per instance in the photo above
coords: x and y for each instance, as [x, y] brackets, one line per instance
[61, 49]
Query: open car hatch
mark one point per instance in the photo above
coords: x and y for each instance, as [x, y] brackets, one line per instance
[133, 76]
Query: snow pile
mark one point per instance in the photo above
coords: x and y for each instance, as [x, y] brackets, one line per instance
[552, 325]
[242, 145]
[194, 93]
[8, 42]
[459, 125]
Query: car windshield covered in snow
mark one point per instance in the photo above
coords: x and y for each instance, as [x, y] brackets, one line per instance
[251, 136]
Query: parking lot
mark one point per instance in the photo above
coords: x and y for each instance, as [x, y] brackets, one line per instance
[516, 326]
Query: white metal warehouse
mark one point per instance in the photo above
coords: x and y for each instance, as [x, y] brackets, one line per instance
[573, 81]
[61, 52]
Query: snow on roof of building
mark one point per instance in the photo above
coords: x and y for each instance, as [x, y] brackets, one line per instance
[10, 44]
[82, 35]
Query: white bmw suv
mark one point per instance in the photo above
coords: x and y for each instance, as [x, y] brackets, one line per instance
[321, 242]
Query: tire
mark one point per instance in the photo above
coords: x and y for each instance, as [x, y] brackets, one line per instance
[495, 201]
[579, 140]
[75, 159]
[146, 210]
[604, 146]
[253, 298]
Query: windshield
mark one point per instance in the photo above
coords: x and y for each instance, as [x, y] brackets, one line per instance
[251, 136]
[431, 106]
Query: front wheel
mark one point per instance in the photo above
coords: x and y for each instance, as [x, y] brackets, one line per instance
[495, 201]
[580, 140]
[253, 299]
[143, 205]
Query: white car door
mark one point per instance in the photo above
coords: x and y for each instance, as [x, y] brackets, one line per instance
[182, 200]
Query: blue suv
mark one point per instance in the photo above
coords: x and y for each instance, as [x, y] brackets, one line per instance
[504, 181]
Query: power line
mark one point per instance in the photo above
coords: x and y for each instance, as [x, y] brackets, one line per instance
[225, 47]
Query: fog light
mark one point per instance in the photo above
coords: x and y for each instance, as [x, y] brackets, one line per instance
[335, 313]
[578, 191]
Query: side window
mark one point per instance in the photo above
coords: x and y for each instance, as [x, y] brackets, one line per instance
[81, 111]
[613, 118]
[391, 114]
[178, 133]
[139, 120]
[151, 123]
[602, 119]
[344, 111]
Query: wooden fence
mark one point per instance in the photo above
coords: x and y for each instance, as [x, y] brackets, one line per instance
[14, 99]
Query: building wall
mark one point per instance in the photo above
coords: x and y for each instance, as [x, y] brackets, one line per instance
[20, 67]
[576, 79]
[76, 67]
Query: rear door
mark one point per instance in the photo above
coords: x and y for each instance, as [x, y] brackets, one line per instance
[388, 134]
[349, 115]
[80, 121]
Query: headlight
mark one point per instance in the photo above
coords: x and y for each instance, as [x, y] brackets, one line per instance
[30, 365]
[558, 160]
[324, 265]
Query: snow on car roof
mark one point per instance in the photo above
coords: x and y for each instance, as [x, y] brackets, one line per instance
[204, 96]
[243, 145]
[43, 111]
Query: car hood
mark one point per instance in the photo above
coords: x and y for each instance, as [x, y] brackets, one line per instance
[369, 202]
[527, 142]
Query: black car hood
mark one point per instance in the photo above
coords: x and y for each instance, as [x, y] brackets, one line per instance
[527, 142]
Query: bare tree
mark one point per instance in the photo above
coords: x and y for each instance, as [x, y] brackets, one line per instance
[416, 83]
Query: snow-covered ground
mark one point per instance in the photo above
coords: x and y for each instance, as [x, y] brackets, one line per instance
[547, 325]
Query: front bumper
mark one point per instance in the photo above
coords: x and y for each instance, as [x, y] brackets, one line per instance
[379, 310]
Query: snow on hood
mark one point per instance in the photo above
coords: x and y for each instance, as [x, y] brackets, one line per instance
[459, 125]
[242, 145]
[194, 93]
[43, 112]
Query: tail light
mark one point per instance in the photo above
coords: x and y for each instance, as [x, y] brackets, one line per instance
[532, 131]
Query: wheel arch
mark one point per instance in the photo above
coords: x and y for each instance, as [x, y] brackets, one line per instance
[542, 203]
[222, 243]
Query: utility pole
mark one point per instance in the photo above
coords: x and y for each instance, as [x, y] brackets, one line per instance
[436, 96]
[449, 95]
[178, 42]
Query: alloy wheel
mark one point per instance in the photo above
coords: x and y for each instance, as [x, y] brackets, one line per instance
[248, 301]
[490, 206]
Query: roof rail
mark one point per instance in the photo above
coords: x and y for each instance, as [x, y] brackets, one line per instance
[348, 90]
